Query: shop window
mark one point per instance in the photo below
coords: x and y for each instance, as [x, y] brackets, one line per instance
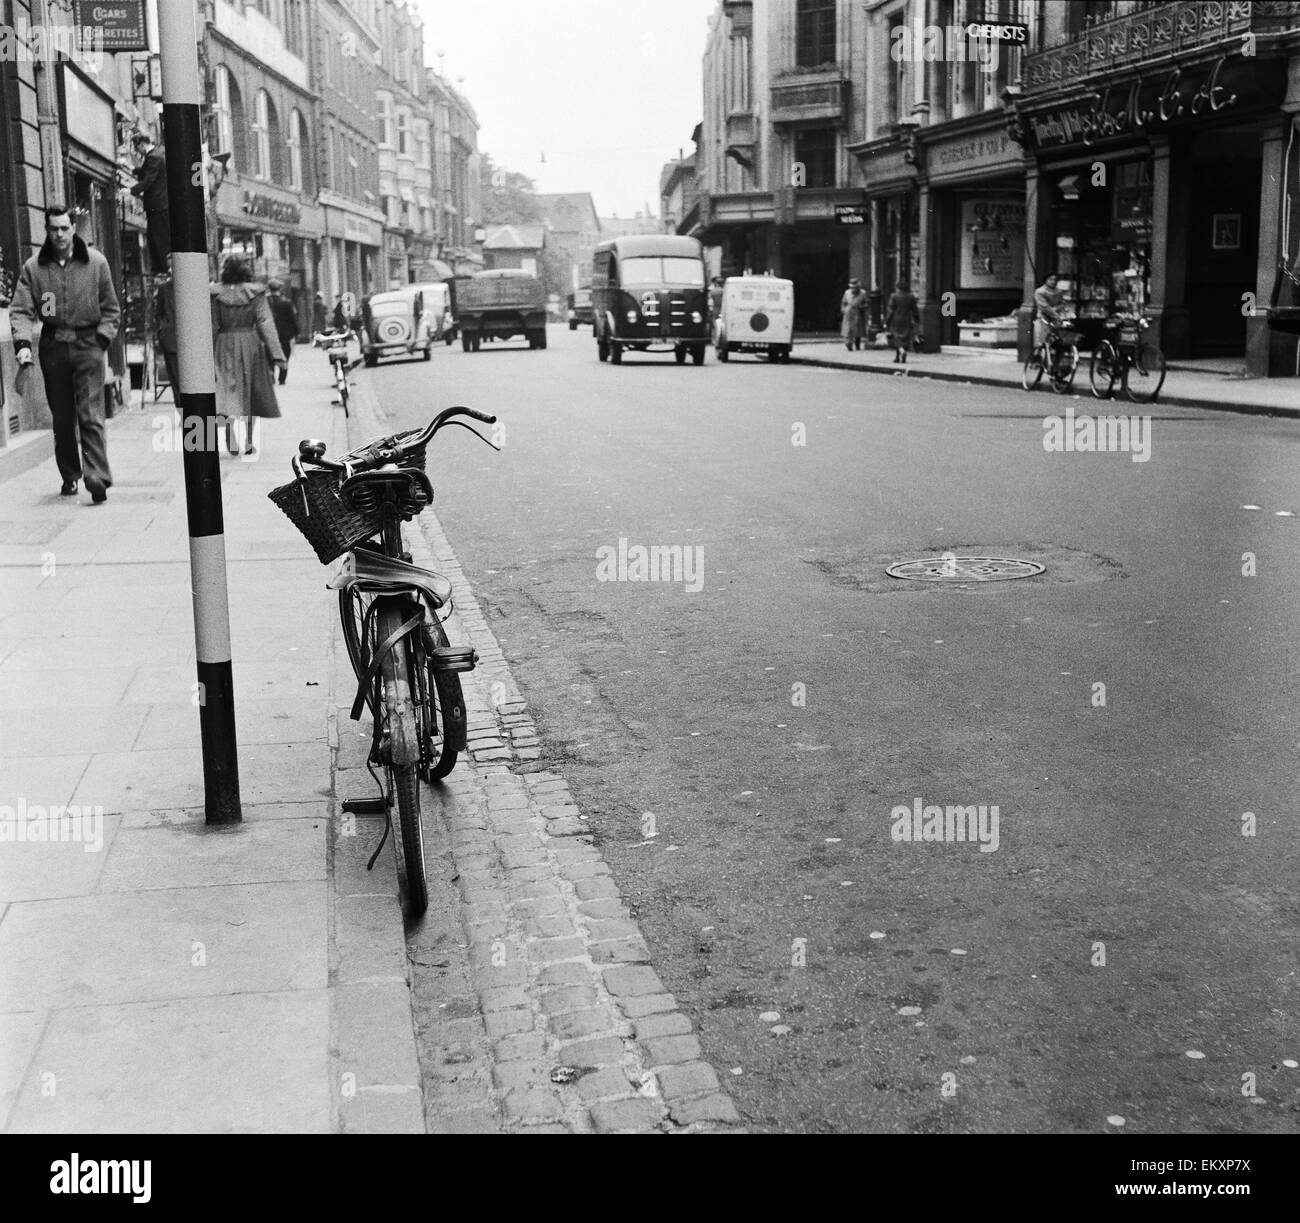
[815, 33]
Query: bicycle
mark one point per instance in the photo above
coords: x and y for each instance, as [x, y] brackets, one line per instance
[1058, 357]
[1122, 357]
[335, 344]
[351, 512]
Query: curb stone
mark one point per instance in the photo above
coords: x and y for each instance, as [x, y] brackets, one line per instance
[558, 969]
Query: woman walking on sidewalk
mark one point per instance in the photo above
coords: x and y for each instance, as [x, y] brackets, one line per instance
[246, 348]
[902, 318]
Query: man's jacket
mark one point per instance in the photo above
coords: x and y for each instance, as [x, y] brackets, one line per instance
[286, 318]
[72, 302]
[152, 181]
[1048, 302]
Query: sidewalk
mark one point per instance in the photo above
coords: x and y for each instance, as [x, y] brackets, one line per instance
[1184, 386]
[158, 976]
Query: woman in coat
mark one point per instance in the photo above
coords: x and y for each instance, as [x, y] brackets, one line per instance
[853, 314]
[902, 319]
[246, 348]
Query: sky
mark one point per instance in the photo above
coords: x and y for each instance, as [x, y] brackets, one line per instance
[606, 90]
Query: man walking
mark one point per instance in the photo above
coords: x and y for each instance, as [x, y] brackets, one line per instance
[152, 188]
[285, 318]
[68, 289]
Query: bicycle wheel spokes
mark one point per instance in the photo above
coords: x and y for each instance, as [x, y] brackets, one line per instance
[1102, 369]
[1146, 375]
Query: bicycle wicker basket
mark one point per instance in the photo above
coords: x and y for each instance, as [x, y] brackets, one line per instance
[1067, 336]
[313, 505]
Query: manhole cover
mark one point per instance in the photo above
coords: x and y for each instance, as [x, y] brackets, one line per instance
[951, 568]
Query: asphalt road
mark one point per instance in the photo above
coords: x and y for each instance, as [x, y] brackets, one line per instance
[1123, 921]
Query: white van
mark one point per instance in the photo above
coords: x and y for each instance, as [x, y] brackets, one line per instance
[756, 314]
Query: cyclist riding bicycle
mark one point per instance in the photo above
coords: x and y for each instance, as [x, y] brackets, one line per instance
[1047, 309]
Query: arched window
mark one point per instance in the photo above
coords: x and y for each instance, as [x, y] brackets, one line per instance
[262, 113]
[299, 153]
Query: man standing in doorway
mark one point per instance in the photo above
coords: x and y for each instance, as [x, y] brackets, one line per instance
[152, 188]
[285, 318]
[67, 288]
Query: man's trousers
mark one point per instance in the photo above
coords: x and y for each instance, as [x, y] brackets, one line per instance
[74, 387]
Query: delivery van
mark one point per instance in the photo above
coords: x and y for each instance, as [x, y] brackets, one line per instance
[756, 314]
[650, 293]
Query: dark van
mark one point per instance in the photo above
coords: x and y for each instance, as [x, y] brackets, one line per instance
[650, 292]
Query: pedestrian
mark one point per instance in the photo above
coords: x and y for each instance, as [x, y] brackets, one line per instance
[245, 347]
[902, 320]
[151, 186]
[164, 306]
[339, 320]
[853, 312]
[318, 314]
[285, 318]
[67, 288]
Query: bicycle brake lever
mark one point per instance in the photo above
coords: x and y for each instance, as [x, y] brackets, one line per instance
[475, 432]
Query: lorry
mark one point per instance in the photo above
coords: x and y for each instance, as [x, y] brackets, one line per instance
[500, 304]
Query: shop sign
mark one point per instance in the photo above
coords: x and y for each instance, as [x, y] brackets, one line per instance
[972, 153]
[851, 214]
[271, 209]
[89, 117]
[120, 24]
[358, 229]
[1006, 35]
[992, 243]
[1147, 104]
[1131, 229]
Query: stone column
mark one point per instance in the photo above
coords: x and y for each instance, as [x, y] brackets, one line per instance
[1035, 255]
[1170, 202]
[1268, 351]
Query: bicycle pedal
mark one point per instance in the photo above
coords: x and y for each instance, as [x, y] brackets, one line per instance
[453, 658]
[365, 806]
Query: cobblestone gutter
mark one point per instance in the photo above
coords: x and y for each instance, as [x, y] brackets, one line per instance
[570, 1029]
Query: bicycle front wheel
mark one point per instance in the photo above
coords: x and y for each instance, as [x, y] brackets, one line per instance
[1102, 369]
[1033, 372]
[1146, 375]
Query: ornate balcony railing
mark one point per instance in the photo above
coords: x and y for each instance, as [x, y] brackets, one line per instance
[1155, 33]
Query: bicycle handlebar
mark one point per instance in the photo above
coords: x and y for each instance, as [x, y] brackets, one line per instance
[381, 452]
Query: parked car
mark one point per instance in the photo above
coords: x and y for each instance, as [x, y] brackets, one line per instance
[501, 304]
[755, 314]
[649, 292]
[581, 313]
[395, 324]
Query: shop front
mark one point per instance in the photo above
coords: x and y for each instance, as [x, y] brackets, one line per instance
[354, 253]
[894, 245]
[1152, 196]
[975, 176]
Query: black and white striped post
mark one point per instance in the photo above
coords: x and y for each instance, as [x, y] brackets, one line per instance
[196, 397]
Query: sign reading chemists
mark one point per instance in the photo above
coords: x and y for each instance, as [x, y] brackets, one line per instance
[1005, 35]
[120, 23]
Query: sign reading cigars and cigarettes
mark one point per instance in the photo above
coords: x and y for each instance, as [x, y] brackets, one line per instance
[119, 25]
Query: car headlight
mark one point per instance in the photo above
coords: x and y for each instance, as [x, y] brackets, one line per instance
[631, 316]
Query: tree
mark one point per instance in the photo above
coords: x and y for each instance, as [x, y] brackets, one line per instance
[509, 198]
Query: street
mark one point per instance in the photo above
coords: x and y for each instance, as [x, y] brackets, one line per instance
[1118, 948]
